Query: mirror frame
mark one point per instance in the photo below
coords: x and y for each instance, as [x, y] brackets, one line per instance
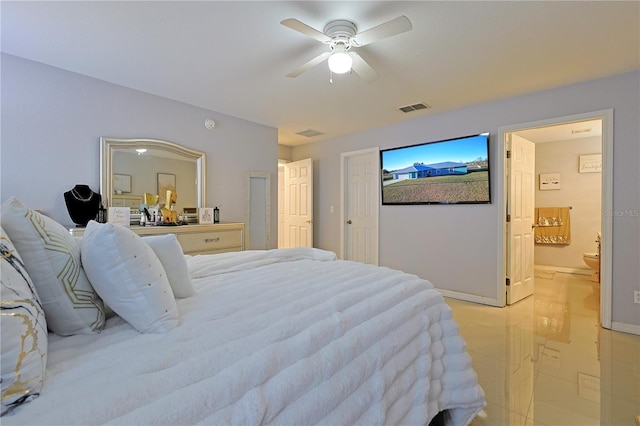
[109, 145]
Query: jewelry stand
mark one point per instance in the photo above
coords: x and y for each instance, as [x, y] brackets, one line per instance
[83, 204]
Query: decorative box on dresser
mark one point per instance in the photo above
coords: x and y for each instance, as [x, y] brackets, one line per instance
[195, 239]
[132, 201]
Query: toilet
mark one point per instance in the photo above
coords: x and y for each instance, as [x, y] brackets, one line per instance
[592, 260]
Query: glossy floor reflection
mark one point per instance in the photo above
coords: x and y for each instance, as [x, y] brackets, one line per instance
[546, 361]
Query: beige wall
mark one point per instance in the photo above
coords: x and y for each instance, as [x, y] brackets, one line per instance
[284, 152]
[581, 191]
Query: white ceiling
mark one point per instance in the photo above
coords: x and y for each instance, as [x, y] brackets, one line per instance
[232, 57]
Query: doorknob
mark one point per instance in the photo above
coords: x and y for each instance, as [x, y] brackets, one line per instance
[533, 226]
[309, 221]
[349, 222]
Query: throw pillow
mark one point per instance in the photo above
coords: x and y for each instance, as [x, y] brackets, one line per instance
[24, 331]
[52, 259]
[170, 253]
[128, 275]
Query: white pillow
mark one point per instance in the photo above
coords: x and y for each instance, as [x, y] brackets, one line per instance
[127, 274]
[170, 253]
[52, 258]
[24, 331]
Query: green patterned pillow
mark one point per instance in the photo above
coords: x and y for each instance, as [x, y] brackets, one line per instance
[24, 331]
[52, 259]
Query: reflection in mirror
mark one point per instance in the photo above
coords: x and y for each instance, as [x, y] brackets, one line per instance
[129, 168]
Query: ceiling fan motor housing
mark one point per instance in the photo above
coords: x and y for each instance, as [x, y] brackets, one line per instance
[340, 31]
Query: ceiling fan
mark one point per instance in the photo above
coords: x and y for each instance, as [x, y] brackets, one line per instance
[342, 37]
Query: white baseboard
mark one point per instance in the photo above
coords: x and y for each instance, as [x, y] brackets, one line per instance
[469, 297]
[578, 271]
[625, 327]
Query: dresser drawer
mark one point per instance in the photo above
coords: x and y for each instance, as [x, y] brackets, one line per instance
[211, 241]
[195, 239]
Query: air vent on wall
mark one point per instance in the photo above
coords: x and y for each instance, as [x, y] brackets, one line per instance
[309, 133]
[414, 107]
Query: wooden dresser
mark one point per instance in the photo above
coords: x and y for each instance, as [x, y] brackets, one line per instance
[195, 239]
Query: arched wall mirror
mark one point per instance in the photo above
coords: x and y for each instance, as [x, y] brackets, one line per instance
[131, 167]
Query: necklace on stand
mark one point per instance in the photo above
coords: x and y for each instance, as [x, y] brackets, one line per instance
[79, 197]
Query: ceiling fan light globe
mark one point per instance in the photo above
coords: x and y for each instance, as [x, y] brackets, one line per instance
[340, 62]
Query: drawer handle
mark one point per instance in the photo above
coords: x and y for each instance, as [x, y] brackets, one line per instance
[211, 240]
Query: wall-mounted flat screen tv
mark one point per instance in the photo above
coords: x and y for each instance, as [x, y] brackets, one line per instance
[452, 171]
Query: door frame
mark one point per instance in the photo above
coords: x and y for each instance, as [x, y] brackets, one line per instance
[607, 203]
[344, 193]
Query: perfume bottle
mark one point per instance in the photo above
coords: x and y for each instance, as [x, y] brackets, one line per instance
[216, 215]
[102, 214]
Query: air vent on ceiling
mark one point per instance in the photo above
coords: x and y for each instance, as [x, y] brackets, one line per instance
[414, 107]
[309, 133]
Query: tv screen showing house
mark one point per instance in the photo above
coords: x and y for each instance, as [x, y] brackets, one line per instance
[452, 171]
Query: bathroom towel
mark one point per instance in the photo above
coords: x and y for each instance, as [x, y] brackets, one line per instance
[553, 225]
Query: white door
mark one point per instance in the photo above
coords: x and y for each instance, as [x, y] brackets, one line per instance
[298, 204]
[520, 217]
[361, 183]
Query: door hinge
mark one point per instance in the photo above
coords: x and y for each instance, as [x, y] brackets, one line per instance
[508, 154]
[508, 218]
[508, 281]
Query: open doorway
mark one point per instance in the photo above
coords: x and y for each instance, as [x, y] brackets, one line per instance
[580, 162]
[568, 167]
[281, 242]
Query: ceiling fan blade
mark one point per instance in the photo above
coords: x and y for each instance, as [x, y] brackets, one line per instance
[390, 28]
[294, 24]
[312, 63]
[362, 68]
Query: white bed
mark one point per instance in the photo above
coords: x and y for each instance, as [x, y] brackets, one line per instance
[288, 337]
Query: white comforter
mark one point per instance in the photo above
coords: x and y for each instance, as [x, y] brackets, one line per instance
[288, 337]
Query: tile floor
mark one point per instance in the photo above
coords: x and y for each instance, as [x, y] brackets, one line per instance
[546, 361]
